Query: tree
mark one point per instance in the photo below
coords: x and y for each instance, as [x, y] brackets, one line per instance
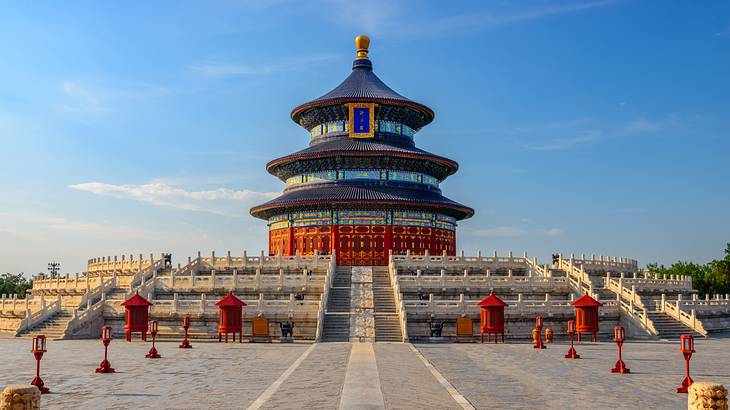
[710, 278]
[14, 284]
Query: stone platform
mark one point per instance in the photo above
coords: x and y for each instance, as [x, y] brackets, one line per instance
[394, 375]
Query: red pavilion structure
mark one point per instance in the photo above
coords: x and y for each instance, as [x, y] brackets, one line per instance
[362, 188]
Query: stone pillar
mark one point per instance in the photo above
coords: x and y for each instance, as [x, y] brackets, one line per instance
[20, 396]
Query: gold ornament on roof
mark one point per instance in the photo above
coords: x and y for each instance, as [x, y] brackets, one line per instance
[362, 43]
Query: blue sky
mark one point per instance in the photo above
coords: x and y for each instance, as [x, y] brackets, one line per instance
[598, 126]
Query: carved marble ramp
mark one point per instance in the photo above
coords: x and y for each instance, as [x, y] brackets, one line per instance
[362, 382]
[362, 308]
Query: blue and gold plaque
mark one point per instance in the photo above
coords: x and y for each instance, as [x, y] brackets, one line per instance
[362, 120]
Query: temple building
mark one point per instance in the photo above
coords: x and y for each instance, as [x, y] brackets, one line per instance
[362, 188]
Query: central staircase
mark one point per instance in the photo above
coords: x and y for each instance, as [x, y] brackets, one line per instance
[336, 326]
[387, 323]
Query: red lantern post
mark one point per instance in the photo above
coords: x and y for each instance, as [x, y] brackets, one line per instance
[618, 336]
[186, 325]
[106, 338]
[687, 347]
[492, 317]
[572, 354]
[153, 354]
[538, 339]
[39, 347]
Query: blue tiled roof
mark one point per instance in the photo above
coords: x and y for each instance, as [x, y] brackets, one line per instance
[367, 193]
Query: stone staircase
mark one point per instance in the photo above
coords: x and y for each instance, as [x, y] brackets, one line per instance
[336, 326]
[668, 327]
[387, 324]
[53, 327]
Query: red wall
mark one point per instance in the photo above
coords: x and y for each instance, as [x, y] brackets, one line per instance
[362, 244]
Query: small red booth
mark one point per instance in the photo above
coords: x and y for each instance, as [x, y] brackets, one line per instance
[492, 314]
[137, 315]
[586, 315]
[230, 317]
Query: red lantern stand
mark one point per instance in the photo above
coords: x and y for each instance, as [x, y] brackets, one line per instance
[39, 347]
[230, 317]
[153, 354]
[106, 338]
[186, 325]
[572, 354]
[618, 336]
[137, 315]
[586, 315]
[687, 347]
[538, 339]
[492, 317]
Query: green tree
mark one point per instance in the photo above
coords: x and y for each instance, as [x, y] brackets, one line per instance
[710, 278]
[14, 284]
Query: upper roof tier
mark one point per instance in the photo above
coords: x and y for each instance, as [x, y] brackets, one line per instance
[362, 85]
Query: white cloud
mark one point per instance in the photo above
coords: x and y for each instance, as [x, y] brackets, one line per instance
[220, 201]
[217, 70]
[553, 232]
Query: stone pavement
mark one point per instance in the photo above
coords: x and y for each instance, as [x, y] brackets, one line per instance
[329, 375]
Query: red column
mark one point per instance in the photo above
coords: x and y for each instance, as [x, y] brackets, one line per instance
[335, 245]
[388, 240]
[290, 248]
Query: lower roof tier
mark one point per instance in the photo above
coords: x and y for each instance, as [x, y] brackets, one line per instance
[341, 196]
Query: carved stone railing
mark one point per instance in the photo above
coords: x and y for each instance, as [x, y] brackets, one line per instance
[516, 307]
[204, 305]
[143, 282]
[605, 263]
[578, 279]
[461, 261]
[324, 298]
[65, 284]
[480, 281]
[303, 280]
[278, 261]
[119, 264]
[12, 305]
[33, 318]
[398, 298]
[673, 284]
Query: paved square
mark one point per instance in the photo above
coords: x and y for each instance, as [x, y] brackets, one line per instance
[213, 375]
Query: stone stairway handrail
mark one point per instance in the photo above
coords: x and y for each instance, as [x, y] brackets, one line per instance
[631, 304]
[690, 318]
[398, 299]
[146, 279]
[33, 318]
[324, 298]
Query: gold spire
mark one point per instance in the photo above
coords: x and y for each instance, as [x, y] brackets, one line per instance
[362, 43]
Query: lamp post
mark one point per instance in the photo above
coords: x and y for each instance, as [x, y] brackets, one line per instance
[106, 338]
[572, 354]
[538, 338]
[153, 354]
[687, 347]
[39, 347]
[186, 325]
[618, 336]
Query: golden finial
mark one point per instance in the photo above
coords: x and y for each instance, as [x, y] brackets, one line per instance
[362, 43]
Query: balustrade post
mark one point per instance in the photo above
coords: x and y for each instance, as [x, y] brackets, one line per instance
[202, 302]
[235, 279]
[174, 302]
[479, 255]
[245, 259]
